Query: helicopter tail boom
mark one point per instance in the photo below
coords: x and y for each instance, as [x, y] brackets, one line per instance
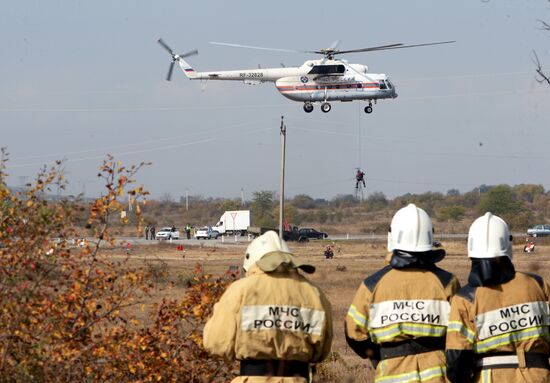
[189, 71]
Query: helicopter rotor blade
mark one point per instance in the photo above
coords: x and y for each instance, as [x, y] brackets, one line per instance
[161, 42]
[170, 70]
[376, 48]
[190, 53]
[420, 45]
[335, 44]
[256, 47]
[391, 46]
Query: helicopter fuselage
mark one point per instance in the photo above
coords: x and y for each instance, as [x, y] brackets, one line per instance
[335, 88]
[314, 81]
[323, 80]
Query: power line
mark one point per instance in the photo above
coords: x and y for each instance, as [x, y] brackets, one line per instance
[147, 142]
[166, 147]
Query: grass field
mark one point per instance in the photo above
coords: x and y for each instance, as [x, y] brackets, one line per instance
[339, 278]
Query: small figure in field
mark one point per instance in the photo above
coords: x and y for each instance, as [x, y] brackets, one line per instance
[188, 231]
[152, 231]
[128, 248]
[359, 178]
[529, 246]
[329, 252]
[146, 232]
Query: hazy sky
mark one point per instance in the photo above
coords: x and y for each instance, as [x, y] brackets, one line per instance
[79, 79]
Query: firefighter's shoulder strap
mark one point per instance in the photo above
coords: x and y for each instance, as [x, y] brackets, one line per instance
[444, 276]
[537, 278]
[372, 281]
[468, 292]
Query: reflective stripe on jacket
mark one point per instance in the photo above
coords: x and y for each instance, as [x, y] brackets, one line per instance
[508, 318]
[395, 305]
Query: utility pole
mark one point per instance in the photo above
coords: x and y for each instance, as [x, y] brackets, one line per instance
[282, 184]
[242, 197]
[187, 199]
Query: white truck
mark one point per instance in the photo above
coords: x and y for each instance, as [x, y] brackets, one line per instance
[233, 222]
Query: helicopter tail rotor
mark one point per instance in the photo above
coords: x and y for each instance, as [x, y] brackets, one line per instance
[170, 70]
[175, 57]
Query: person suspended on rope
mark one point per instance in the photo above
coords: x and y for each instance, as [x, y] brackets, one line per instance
[359, 177]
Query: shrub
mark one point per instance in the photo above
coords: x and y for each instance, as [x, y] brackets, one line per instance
[69, 312]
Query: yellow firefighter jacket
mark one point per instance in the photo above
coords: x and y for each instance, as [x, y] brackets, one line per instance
[499, 332]
[399, 316]
[271, 316]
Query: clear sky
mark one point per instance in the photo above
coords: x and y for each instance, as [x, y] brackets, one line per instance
[80, 79]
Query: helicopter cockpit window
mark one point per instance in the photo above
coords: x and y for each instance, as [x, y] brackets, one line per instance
[382, 84]
[328, 69]
[390, 86]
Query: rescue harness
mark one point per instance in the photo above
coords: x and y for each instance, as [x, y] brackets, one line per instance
[275, 367]
[508, 360]
[390, 350]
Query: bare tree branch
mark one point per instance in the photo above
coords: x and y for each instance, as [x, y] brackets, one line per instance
[542, 77]
[544, 25]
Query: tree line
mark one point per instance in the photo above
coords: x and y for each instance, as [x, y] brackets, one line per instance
[520, 205]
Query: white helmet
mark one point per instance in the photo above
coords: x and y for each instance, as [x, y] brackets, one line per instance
[411, 230]
[263, 245]
[489, 237]
[268, 252]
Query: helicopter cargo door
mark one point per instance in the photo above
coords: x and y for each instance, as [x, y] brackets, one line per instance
[359, 92]
[347, 90]
[318, 94]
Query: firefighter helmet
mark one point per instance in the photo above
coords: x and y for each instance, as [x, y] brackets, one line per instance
[411, 230]
[489, 237]
[268, 251]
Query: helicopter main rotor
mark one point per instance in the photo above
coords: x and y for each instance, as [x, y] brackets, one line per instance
[330, 52]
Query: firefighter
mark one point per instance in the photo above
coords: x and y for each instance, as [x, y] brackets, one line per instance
[398, 317]
[274, 321]
[529, 246]
[498, 327]
[329, 252]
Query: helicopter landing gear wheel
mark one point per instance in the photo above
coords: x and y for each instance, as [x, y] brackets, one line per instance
[368, 108]
[325, 107]
[308, 107]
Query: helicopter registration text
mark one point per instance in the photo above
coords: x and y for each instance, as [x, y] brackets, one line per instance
[251, 74]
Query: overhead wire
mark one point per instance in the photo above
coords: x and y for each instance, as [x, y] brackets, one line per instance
[171, 138]
[423, 152]
[147, 150]
[136, 109]
[384, 180]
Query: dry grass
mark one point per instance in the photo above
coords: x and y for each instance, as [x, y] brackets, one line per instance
[339, 278]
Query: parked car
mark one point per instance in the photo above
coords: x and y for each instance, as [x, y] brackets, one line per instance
[539, 231]
[206, 233]
[168, 233]
[309, 233]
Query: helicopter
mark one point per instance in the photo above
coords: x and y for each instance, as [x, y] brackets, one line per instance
[321, 80]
